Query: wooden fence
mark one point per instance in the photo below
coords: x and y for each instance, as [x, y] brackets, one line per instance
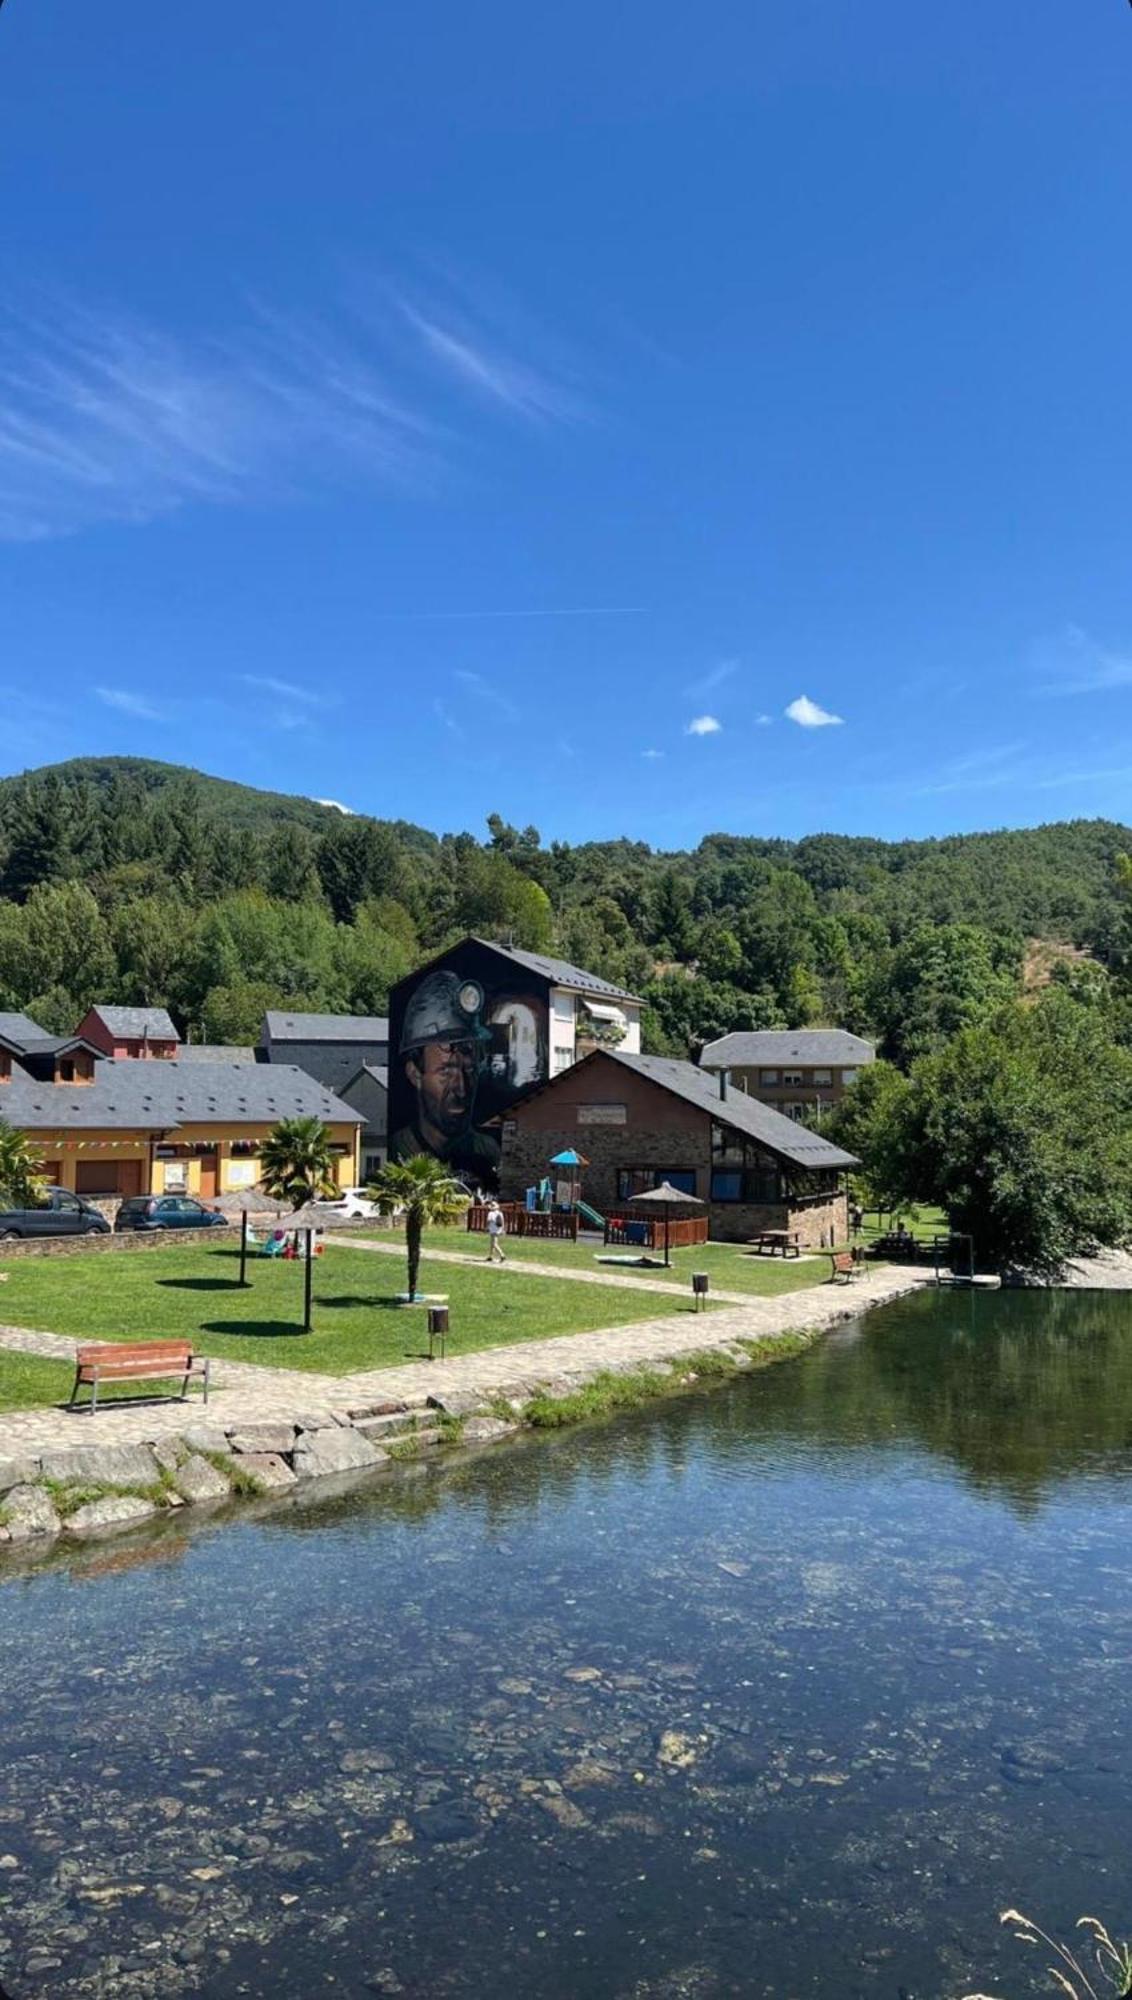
[522, 1221]
[647, 1233]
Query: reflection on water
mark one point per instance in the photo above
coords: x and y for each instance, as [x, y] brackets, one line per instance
[781, 1691]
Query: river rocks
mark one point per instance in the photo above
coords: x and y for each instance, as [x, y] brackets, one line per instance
[457, 1403]
[117, 1510]
[168, 1452]
[318, 1453]
[676, 1751]
[486, 1430]
[273, 1438]
[17, 1472]
[197, 1480]
[102, 1465]
[205, 1438]
[29, 1511]
[268, 1468]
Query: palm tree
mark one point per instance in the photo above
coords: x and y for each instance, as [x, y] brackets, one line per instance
[21, 1169]
[426, 1192]
[296, 1163]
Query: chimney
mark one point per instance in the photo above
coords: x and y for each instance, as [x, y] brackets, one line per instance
[724, 1079]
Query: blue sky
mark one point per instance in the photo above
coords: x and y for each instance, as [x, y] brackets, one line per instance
[643, 420]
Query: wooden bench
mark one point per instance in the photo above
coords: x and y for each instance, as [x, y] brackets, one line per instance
[844, 1266]
[138, 1361]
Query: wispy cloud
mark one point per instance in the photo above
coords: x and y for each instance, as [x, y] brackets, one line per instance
[651, 755]
[1074, 663]
[808, 715]
[713, 679]
[485, 690]
[489, 349]
[288, 691]
[704, 725]
[763, 721]
[128, 703]
[105, 416]
[446, 718]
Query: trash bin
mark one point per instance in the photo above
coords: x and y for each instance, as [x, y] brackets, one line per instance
[437, 1329]
[700, 1283]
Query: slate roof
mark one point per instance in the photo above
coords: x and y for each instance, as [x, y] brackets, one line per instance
[780, 1135]
[377, 1071]
[281, 1027]
[159, 1096]
[136, 1022]
[560, 972]
[19, 1030]
[214, 1052]
[746, 1048]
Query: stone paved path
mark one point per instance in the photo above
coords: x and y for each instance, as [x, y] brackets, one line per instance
[633, 1281]
[247, 1394]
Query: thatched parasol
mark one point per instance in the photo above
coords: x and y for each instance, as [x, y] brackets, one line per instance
[665, 1198]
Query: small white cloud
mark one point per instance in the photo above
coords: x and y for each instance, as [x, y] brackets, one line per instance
[652, 753]
[337, 806]
[286, 690]
[129, 704]
[763, 721]
[704, 725]
[808, 715]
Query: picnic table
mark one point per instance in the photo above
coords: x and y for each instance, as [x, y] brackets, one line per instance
[776, 1241]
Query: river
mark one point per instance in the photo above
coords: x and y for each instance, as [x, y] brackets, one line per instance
[783, 1689]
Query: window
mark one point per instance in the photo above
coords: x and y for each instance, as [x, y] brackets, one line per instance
[849, 1075]
[793, 1077]
[563, 1057]
[638, 1180]
[564, 1006]
[768, 1076]
[758, 1185]
[602, 1114]
[66, 1070]
[823, 1076]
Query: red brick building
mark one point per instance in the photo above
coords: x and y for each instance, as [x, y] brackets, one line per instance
[640, 1120]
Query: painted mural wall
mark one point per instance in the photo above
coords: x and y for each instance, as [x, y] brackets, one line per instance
[465, 1039]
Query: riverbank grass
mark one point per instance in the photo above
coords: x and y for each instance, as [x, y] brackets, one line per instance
[193, 1294]
[615, 1391]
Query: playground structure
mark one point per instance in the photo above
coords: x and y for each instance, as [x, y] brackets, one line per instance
[555, 1211]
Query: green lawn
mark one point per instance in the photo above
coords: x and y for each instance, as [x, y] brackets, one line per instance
[194, 1292]
[730, 1266]
[27, 1382]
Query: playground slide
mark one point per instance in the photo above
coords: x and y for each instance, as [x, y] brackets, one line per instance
[590, 1215]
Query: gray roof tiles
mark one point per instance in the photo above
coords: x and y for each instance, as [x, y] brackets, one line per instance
[20, 1031]
[214, 1052]
[284, 1027]
[777, 1133]
[158, 1096]
[746, 1048]
[153, 1023]
[560, 972]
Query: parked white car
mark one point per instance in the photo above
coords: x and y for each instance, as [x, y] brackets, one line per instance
[353, 1204]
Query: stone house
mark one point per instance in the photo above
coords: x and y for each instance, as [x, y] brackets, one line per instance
[640, 1120]
[797, 1070]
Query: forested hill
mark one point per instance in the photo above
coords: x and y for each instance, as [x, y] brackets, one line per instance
[130, 880]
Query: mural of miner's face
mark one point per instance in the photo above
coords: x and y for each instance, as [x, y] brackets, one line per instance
[444, 1076]
[442, 1049]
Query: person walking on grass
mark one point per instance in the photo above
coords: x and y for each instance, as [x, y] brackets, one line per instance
[496, 1229]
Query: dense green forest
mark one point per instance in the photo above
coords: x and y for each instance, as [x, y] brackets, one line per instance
[123, 879]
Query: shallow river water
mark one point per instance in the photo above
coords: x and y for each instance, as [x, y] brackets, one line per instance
[783, 1689]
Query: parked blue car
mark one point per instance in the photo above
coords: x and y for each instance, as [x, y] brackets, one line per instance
[167, 1211]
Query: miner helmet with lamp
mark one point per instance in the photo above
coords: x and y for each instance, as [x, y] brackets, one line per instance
[443, 1048]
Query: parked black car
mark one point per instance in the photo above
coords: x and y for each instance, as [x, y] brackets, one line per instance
[60, 1214]
[167, 1211]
